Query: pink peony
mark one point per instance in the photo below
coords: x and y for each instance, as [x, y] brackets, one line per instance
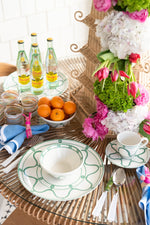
[138, 15]
[89, 130]
[102, 73]
[92, 127]
[102, 5]
[143, 98]
[102, 109]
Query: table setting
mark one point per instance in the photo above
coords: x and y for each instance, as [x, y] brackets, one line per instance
[63, 171]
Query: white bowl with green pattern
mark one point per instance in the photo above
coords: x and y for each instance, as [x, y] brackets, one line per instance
[61, 161]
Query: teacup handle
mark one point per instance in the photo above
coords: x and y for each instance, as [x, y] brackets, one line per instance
[145, 142]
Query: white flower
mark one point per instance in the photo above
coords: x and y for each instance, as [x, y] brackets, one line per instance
[123, 35]
[120, 121]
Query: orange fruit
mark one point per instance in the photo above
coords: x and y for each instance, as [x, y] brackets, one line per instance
[44, 110]
[69, 107]
[57, 115]
[57, 102]
[44, 100]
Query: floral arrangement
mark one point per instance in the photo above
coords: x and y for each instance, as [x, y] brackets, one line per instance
[122, 35]
[121, 102]
[135, 9]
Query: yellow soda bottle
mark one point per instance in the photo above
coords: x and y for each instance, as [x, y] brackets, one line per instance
[23, 68]
[51, 65]
[36, 70]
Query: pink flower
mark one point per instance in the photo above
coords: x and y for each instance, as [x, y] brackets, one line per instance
[133, 57]
[138, 15]
[92, 127]
[101, 129]
[102, 73]
[114, 76]
[143, 98]
[102, 5]
[114, 2]
[102, 109]
[89, 130]
[132, 89]
[146, 128]
[123, 74]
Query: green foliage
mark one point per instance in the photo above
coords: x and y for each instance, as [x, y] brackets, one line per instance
[114, 94]
[133, 5]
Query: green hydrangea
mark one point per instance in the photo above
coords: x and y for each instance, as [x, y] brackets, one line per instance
[114, 94]
[133, 5]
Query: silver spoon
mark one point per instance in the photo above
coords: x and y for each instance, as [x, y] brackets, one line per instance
[119, 177]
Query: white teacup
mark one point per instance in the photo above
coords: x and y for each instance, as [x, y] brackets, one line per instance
[129, 142]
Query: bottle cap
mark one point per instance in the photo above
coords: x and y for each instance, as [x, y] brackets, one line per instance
[33, 34]
[34, 45]
[20, 42]
[49, 39]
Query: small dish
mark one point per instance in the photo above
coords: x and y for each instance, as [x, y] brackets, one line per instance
[10, 97]
[14, 114]
[61, 123]
[29, 103]
[140, 159]
[62, 161]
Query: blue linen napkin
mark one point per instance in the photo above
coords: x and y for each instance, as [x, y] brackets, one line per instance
[144, 203]
[12, 136]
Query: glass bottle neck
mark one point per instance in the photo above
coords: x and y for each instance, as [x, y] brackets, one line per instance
[21, 47]
[33, 39]
[50, 44]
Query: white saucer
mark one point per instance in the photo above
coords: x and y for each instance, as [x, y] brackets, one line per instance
[141, 158]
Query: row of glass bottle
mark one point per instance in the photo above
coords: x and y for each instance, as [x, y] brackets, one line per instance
[31, 73]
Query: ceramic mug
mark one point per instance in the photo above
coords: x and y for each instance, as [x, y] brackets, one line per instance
[129, 142]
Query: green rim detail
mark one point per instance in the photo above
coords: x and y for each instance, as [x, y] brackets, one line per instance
[141, 157]
[38, 182]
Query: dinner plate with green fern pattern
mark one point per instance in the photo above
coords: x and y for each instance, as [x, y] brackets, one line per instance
[141, 158]
[40, 183]
[11, 83]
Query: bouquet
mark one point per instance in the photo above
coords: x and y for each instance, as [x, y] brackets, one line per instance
[121, 102]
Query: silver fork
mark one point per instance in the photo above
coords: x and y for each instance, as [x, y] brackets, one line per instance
[33, 141]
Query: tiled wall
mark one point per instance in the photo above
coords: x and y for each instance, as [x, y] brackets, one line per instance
[49, 18]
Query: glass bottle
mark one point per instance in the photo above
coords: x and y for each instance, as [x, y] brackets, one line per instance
[33, 40]
[23, 68]
[36, 70]
[51, 65]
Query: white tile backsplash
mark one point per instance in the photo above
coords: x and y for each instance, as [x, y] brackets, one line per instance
[59, 18]
[48, 18]
[13, 28]
[1, 11]
[5, 53]
[37, 23]
[27, 7]
[11, 8]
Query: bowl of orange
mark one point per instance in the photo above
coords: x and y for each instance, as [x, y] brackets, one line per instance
[56, 112]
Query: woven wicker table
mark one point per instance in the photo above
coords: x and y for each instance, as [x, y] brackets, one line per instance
[77, 211]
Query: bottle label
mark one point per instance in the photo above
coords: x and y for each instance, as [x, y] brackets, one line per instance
[51, 77]
[36, 74]
[37, 83]
[24, 79]
[22, 59]
[50, 56]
